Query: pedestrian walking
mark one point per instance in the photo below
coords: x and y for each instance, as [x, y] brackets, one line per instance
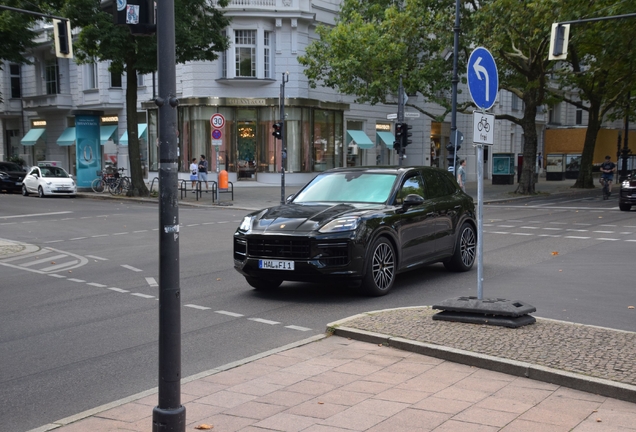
[194, 172]
[203, 171]
[461, 174]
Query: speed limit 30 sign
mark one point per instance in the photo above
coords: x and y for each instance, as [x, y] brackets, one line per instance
[217, 121]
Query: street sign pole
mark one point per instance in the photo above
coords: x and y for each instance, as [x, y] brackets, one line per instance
[480, 221]
[283, 140]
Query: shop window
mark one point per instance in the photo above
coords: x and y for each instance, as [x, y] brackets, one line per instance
[16, 84]
[245, 52]
[51, 77]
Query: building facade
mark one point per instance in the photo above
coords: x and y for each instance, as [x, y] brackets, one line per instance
[323, 129]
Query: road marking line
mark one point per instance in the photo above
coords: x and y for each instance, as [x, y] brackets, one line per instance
[527, 227]
[9, 223]
[196, 307]
[100, 235]
[631, 240]
[626, 233]
[191, 225]
[264, 321]
[505, 226]
[140, 231]
[294, 327]
[514, 220]
[28, 222]
[67, 219]
[152, 282]
[576, 230]
[35, 214]
[124, 233]
[59, 266]
[583, 224]
[36, 254]
[523, 234]
[78, 238]
[232, 314]
[43, 260]
[576, 237]
[553, 229]
[119, 290]
[550, 235]
[499, 232]
[604, 232]
[155, 229]
[143, 295]
[53, 241]
[208, 223]
[97, 258]
[224, 222]
[607, 225]
[57, 276]
[95, 284]
[559, 223]
[76, 280]
[608, 239]
[131, 268]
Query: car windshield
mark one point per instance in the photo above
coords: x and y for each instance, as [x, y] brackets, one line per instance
[348, 187]
[53, 172]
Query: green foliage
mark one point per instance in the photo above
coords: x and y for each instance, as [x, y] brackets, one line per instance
[15, 31]
[376, 42]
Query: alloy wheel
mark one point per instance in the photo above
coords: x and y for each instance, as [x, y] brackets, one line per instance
[468, 244]
[383, 266]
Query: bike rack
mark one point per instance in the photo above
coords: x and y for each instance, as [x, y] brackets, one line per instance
[216, 191]
[152, 183]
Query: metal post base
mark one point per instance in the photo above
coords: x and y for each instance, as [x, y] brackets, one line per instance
[493, 311]
[168, 419]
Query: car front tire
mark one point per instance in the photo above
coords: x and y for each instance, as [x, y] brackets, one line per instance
[25, 192]
[40, 192]
[465, 250]
[263, 284]
[381, 270]
[625, 207]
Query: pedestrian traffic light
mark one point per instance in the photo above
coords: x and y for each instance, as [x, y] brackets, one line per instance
[63, 40]
[138, 15]
[406, 134]
[278, 130]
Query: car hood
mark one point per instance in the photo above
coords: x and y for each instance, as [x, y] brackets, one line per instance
[292, 217]
[14, 174]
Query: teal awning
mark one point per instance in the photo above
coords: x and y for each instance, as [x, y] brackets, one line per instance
[67, 138]
[141, 133]
[32, 136]
[387, 138]
[360, 138]
[107, 133]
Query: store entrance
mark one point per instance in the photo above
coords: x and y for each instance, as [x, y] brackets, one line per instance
[246, 137]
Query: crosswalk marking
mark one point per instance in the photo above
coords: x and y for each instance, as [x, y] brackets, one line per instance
[264, 321]
[60, 266]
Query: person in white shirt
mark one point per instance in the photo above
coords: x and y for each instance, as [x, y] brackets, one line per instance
[194, 171]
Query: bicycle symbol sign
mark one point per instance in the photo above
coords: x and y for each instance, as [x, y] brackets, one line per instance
[483, 128]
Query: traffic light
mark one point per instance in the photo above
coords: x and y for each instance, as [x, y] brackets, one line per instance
[559, 41]
[406, 134]
[138, 15]
[459, 138]
[278, 130]
[63, 39]
[400, 131]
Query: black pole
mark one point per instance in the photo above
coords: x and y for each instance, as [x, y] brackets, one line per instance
[169, 415]
[452, 159]
[283, 138]
[626, 151]
[400, 119]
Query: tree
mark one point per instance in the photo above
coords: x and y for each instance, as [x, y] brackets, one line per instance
[375, 42]
[598, 71]
[198, 35]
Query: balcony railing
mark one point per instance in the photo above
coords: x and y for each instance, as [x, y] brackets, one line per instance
[50, 102]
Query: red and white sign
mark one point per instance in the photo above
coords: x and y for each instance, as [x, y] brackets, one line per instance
[217, 121]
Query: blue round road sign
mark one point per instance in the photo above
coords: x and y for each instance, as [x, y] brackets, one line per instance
[483, 78]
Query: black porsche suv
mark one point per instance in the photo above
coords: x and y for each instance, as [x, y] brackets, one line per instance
[11, 176]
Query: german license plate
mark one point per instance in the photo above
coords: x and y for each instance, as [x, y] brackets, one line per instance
[275, 265]
[18, 183]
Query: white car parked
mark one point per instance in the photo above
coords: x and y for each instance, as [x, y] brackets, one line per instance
[48, 181]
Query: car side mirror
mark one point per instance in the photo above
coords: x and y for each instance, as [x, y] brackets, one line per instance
[289, 198]
[412, 200]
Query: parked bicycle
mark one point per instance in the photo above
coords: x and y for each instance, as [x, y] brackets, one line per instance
[121, 185]
[103, 181]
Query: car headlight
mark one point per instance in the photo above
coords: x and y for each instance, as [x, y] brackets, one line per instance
[341, 224]
[625, 184]
[246, 225]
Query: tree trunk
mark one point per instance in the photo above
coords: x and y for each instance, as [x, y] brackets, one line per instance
[139, 187]
[585, 179]
[529, 126]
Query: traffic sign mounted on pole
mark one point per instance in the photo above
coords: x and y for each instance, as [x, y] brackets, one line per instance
[483, 78]
[483, 128]
[217, 121]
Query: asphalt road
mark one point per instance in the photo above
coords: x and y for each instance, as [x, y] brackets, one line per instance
[78, 320]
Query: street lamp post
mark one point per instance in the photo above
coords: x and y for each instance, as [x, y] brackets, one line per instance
[283, 138]
[169, 414]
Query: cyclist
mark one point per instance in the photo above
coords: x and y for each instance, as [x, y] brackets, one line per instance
[608, 168]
